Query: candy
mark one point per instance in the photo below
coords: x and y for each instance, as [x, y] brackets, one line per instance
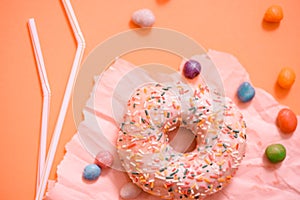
[143, 18]
[104, 159]
[286, 120]
[273, 14]
[191, 69]
[275, 153]
[91, 172]
[286, 78]
[130, 191]
[246, 92]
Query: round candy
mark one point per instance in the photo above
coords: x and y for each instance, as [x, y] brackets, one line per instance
[130, 191]
[286, 120]
[104, 159]
[246, 92]
[275, 153]
[91, 172]
[286, 78]
[191, 69]
[274, 14]
[143, 18]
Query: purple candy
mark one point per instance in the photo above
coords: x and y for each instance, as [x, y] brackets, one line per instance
[191, 69]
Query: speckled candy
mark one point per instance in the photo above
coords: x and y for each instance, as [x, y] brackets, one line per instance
[143, 18]
[275, 153]
[104, 159]
[130, 191]
[91, 172]
[246, 92]
[273, 14]
[287, 120]
[191, 69]
[286, 78]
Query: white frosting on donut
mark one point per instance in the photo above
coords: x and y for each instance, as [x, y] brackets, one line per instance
[150, 161]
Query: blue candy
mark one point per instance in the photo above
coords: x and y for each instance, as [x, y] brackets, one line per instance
[91, 172]
[245, 92]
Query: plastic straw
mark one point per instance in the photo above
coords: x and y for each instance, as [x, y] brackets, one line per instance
[59, 124]
[46, 97]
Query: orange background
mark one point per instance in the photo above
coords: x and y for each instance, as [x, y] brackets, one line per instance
[232, 26]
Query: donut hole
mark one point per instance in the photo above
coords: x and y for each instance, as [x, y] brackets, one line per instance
[182, 140]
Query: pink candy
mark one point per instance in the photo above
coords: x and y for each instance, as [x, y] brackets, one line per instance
[143, 18]
[104, 159]
[130, 191]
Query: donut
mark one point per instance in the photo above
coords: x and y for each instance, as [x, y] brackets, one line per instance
[153, 111]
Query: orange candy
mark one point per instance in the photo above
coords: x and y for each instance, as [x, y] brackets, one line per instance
[286, 120]
[286, 78]
[274, 14]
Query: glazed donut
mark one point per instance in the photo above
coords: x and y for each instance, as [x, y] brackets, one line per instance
[153, 111]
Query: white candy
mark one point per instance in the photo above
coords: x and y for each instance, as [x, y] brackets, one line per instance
[130, 191]
[143, 18]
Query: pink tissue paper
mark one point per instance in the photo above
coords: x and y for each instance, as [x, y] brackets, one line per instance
[255, 179]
